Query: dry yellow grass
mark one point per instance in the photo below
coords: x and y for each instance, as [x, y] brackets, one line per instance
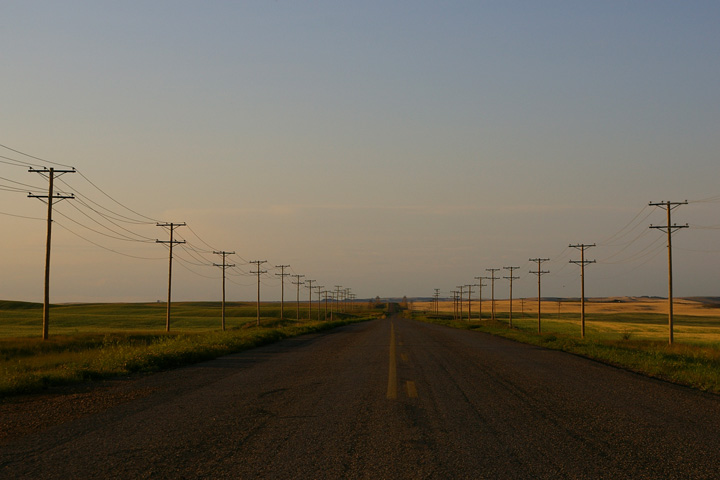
[614, 305]
[619, 317]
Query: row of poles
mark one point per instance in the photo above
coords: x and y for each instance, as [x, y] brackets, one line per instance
[458, 295]
[339, 294]
[52, 173]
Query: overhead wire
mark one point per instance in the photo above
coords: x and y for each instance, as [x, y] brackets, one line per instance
[34, 157]
[116, 236]
[103, 247]
[142, 238]
[22, 216]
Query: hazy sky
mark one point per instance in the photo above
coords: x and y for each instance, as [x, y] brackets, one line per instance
[390, 147]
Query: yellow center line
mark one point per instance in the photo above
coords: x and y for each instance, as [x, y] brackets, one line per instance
[411, 389]
[392, 372]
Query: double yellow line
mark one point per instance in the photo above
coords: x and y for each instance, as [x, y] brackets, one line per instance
[392, 389]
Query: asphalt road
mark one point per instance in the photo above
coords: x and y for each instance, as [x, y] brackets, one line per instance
[384, 399]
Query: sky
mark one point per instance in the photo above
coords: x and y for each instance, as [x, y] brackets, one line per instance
[387, 147]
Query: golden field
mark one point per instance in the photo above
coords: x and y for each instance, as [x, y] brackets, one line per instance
[696, 321]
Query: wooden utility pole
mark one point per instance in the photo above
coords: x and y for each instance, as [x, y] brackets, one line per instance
[337, 300]
[170, 242]
[436, 296]
[298, 283]
[461, 299]
[539, 272]
[469, 287]
[326, 292]
[455, 305]
[511, 278]
[258, 272]
[492, 288]
[669, 229]
[310, 289]
[319, 291]
[282, 276]
[582, 262]
[480, 285]
[224, 265]
[50, 174]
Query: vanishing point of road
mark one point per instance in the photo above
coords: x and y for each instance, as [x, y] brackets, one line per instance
[384, 399]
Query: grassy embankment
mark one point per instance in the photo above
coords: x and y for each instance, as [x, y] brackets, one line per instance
[97, 341]
[634, 341]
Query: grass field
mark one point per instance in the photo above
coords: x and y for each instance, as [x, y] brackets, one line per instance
[95, 341]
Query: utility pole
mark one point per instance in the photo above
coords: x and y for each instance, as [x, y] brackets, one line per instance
[461, 299]
[469, 287]
[337, 300]
[258, 272]
[310, 289]
[492, 288]
[455, 307]
[539, 272]
[480, 285]
[436, 296]
[50, 174]
[326, 302]
[582, 262]
[282, 276]
[170, 242]
[669, 229]
[224, 267]
[298, 283]
[511, 278]
[319, 291]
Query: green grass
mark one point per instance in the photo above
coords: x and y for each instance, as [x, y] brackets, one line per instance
[629, 341]
[97, 341]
